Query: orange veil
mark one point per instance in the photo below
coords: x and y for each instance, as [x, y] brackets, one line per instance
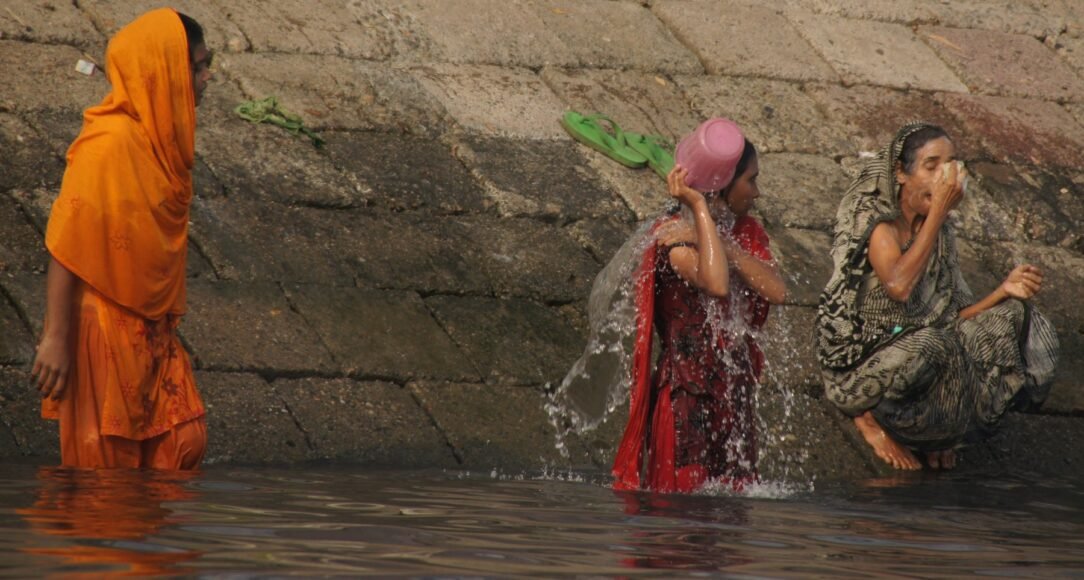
[121, 221]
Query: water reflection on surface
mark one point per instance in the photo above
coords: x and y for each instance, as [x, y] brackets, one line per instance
[328, 521]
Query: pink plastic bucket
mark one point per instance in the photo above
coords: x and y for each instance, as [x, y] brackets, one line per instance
[711, 154]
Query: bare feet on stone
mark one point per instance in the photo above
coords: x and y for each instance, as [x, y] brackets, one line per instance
[884, 446]
[944, 459]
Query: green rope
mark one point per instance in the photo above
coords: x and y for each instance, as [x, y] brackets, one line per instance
[268, 111]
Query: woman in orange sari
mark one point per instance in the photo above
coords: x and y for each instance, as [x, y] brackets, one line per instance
[109, 365]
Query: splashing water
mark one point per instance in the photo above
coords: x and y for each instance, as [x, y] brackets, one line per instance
[598, 383]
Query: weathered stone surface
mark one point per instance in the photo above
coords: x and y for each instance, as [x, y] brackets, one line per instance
[547, 179]
[800, 190]
[642, 190]
[331, 92]
[1072, 50]
[415, 219]
[56, 127]
[975, 265]
[26, 290]
[21, 246]
[602, 237]
[509, 341]
[1040, 206]
[525, 258]
[640, 102]
[262, 161]
[401, 172]
[998, 63]
[1004, 15]
[16, 342]
[729, 38]
[215, 18]
[9, 448]
[980, 218]
[802, 440]
[408, 252]
[378, 333]
[41, 77]
[631, 38]
[495, 101]
[602, 442]
[20, 414]
[804, 262]
[1033, 444]
[870, 116]
[329, 27]
[787, 340]
[1021, 130]
[247, 422]
[869, 52]
[500, 32]
[774, 115]
[233, 326]
[1077, 110]
[35, 205]
[372, 423]
[52, 21]
[491, 426]
[252, 240]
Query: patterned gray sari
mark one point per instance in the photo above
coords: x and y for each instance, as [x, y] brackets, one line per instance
[931, 379]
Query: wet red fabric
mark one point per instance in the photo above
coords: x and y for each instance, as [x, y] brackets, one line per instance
[694, 420]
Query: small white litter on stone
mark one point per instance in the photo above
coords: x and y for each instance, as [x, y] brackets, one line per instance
[866, 154]
[85, 66]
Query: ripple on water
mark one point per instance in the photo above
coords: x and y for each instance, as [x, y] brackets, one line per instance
[245, 522]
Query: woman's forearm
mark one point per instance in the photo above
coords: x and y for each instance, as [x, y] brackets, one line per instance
[761, 276]
[59, 290]
[712, 270]
[992, 299]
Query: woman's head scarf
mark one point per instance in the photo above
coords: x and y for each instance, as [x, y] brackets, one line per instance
[121, 220]
[872, 198]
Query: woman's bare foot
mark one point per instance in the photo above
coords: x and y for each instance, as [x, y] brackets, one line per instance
[884, 446]
[943, 459]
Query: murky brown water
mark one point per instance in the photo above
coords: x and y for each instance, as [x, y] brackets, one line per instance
[242, 522]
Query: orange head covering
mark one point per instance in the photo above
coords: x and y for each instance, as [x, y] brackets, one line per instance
[121, 221]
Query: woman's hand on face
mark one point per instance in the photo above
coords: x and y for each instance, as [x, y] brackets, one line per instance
[51, 365]
[1023, 282]
[686, 195]
[948, 189]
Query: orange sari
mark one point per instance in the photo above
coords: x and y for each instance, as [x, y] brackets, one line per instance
[120, 225]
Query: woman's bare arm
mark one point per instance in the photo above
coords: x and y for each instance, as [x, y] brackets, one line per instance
[763, 277]
[705, 267]
[53, 358]
[1022, 283]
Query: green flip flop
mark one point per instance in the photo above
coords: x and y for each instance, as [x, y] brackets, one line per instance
[588, 130]
[655, 149]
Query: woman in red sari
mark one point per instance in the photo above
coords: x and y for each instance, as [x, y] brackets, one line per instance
[705, 288]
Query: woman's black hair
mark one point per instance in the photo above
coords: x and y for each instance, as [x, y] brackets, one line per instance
[194, 32]
[914, 142]
[747, 155]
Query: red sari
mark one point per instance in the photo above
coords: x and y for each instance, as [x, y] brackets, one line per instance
[696, 415]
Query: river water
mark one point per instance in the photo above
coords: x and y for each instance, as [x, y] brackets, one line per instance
[336, 521]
